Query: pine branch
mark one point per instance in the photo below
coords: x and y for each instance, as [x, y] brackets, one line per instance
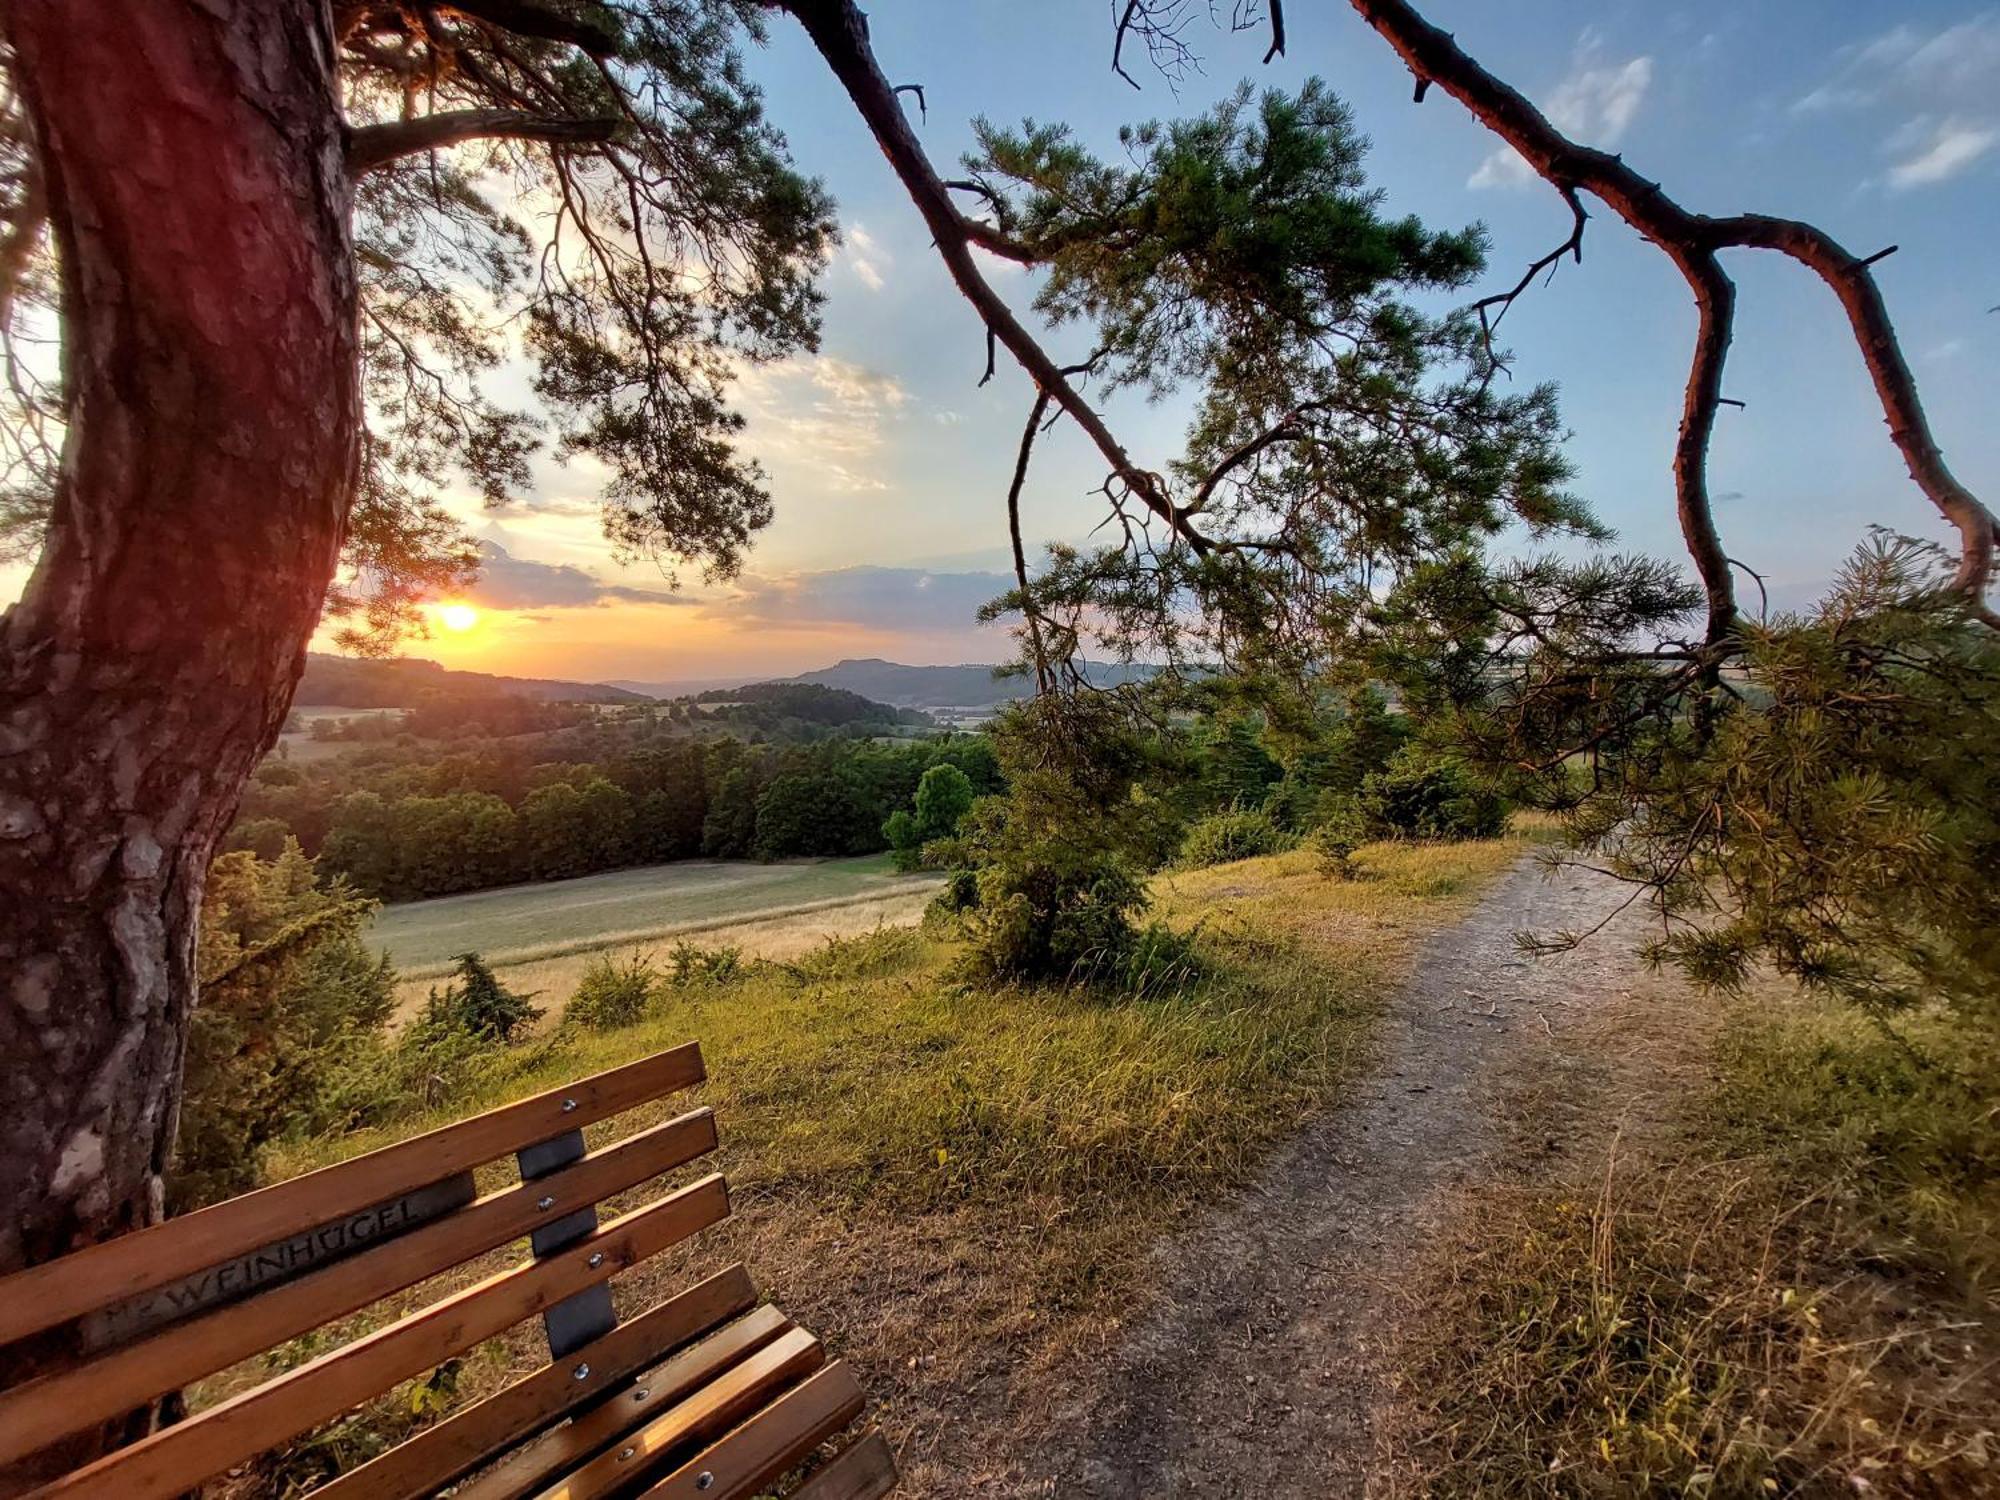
[373, 146]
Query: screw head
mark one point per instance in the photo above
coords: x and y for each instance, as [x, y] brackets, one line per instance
[626, 1453]
[581, 1372]
[596, 1260]
[568, 1105]
[641, 1394]
[545, 1204]
[703, 1480]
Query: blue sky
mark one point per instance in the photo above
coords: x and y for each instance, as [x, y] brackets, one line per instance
[1879, 122]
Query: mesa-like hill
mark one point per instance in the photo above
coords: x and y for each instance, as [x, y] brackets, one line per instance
[407, 681]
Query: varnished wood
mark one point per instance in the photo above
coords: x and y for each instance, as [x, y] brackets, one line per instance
[735, 1396]
[658, 1390]
[429, 1460]
[865, 1470]
[172, 1461]
[763, 1448]
[41, 1411]
[57, 1291]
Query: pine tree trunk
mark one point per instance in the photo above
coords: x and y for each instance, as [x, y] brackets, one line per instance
[201, 212]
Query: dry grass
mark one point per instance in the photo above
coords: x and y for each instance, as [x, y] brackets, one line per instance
[958, 1187]
[1779, 1281]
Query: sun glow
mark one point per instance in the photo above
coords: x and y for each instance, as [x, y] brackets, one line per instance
[457, 616]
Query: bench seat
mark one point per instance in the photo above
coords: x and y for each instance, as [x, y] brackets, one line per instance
[705, 1394]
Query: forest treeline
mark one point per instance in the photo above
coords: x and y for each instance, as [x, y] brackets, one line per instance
[769, 772]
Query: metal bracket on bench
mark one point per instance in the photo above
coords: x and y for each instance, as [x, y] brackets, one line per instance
[577, 1320]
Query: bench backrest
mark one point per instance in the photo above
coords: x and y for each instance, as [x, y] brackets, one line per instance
[145, 1315]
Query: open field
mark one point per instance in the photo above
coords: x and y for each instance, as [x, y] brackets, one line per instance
[959, 1186]
[299, 745]
[521, 924]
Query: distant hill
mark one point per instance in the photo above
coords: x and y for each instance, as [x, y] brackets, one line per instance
[969, 686]
[351, 682]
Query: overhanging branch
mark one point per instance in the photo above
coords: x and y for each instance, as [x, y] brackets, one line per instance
[840, 32]
[1691, 240]
[526, 18]
[373, 146]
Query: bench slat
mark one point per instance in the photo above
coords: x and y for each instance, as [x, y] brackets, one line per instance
[734, 1396]
[172, 1461]
[774, 1440]
[55, 1292]
[866, 1470]
[567, 1447]
[41, 1411]
[433, 1458]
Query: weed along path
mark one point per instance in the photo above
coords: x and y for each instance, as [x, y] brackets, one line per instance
[1261, 1368]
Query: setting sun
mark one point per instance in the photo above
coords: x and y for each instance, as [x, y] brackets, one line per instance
[458, 616]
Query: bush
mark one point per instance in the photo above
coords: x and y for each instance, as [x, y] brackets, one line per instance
[288, 1038]
[611, 994]
[688, 965]
[1223, 837]
[959, 895]
[1053, 921]
[480, 1006]
[1342, 830]
[1425, 796]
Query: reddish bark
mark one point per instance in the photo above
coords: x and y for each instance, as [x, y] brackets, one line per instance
[193, 156]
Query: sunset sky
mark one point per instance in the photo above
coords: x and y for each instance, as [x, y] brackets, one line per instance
[888, 463]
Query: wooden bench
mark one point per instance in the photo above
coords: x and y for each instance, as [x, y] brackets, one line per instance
[704, 1394]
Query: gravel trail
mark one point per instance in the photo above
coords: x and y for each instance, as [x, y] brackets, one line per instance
[1260, 1372]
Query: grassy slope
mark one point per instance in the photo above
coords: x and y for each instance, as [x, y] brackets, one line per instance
[958, 1186]
[1778, 1280]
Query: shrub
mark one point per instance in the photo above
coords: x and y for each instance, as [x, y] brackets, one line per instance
[1068, 922]
[1054, 860]
[959, 895]
[480, 1006]
[688, 965]
[1342, 830]
[289, 1034]
[1426, 796]
[611, 994]
[1223, 837]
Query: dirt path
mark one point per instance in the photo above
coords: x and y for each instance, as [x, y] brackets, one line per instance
[1260, 1371]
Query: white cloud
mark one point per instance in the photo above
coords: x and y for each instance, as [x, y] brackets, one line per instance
[866, 257]
[1944, 85]
[1595, 105]
[1945, 149]
[827, 414]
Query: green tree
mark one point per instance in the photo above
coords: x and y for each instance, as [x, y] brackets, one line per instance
[943, 797]
[552, 820]
[730, 829]
[476, 1004]
[604, 829]
[291, 1022]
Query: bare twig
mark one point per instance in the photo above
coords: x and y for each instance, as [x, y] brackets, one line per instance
[1043, 679]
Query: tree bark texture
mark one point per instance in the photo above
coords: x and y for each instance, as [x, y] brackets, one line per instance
[196, 187]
